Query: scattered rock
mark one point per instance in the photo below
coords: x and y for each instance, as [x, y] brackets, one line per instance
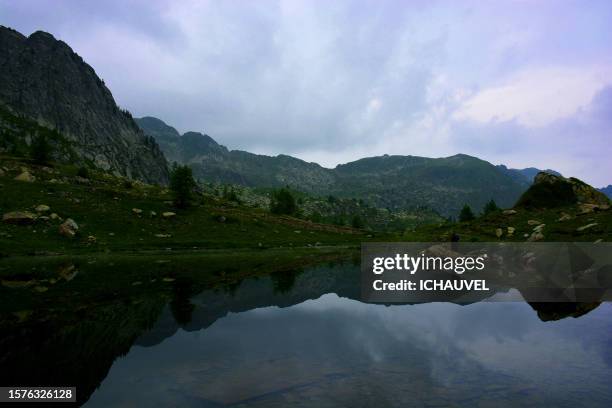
[499, 232]
[525, 235]
[91, 239]
[509, 212]
[19, 217]
[586, 227]
[42, 208]
[82, 180]
[564, 217]
[25, 176]
[137, 211]
[539, 228]
[534, 222]
[67, 272]
[297, 231]
[168, 214]
[168, 279]
[441, 250]
[54, 216]
[163, 235]
[536, 236]
[22, 315]
[69, 228]
[511, 231]
[586, 208]
[17, 284]
[152, 214]
[221, 218]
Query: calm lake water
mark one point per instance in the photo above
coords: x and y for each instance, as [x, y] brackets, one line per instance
[304, 339]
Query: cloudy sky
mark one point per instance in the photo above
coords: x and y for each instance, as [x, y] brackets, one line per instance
[525, 83]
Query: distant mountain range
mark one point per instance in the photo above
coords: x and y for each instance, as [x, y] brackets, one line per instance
[394, 182]
[607, 190]
[44, 84]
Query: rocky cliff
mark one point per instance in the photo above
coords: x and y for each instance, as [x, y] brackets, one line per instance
[42, 79]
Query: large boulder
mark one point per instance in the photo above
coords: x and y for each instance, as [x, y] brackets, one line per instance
[25, 176]
[19, 217]
[69, 228]
[550, 191]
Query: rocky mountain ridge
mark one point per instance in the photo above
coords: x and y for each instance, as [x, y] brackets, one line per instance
[389, 181]
[43, 79]
[607, 191]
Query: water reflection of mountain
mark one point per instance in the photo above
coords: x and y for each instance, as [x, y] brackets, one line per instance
[78, 346]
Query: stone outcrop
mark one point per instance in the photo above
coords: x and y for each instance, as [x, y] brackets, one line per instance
[42, 79]
[550, 191]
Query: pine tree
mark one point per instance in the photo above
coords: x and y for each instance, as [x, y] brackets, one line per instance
[466, 214]
[283, 202]
[356, 222]
[490, 207]
[40, 150]
[182, 184]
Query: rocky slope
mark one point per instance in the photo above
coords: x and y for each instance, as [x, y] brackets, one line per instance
[42, 79]
[393, 182]
[212, 162]
[551, 191]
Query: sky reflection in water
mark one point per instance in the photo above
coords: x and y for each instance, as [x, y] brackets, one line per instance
[335, 351]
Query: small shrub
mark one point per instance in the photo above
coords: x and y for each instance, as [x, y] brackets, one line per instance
[356, 222]
[83, 172]
[40, 150]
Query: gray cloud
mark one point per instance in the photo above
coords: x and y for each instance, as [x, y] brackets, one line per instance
[336, 81]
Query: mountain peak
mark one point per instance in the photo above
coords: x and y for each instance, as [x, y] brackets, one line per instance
[42, 35]
[43, 79]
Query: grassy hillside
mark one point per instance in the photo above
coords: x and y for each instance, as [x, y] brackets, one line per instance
[554, 208]
[524, 222]
[114, 214]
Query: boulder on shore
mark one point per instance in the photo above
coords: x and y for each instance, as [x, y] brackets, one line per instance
[42, 208]
[69, 228]
[19, 217]
[25, 176]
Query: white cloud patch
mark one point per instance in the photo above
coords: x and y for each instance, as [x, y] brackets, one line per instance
[535, 97]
